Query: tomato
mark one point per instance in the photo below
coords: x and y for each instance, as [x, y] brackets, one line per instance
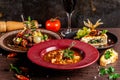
[53, 24]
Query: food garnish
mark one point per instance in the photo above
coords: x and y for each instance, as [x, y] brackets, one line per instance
[69, 53]
[109, 56]
[63, 56]
[14, 68]
[30, 35]
[91, 35]
[91, 25]
[82, 32]
[18, 73]
[110, 72]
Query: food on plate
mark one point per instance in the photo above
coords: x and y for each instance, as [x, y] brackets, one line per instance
[30, 35]
[53, 24]
[109, 56]
[91, 35]
[63, 56]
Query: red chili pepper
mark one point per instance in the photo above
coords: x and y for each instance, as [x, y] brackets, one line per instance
[11, 55]
[21, 77]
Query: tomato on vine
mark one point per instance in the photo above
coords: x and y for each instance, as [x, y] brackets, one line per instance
[53, 24]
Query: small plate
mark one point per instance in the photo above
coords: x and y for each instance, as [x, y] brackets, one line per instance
[112, 39]
[37, 52]
[6, 40]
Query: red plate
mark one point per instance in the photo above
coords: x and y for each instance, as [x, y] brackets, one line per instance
[36, 53]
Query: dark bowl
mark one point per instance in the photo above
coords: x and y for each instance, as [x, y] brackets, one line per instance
[6, 40]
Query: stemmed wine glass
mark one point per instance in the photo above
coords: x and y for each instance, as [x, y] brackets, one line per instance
[69, 6]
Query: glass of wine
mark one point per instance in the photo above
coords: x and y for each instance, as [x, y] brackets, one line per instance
[69, 6]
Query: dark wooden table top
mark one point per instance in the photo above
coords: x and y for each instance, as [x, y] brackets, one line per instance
[39, 73]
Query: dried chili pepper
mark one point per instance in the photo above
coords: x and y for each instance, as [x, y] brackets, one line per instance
[11, 55]
[21, 77]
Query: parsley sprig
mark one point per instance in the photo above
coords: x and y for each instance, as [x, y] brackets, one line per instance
[68, 53]
[108, 54]
[110, 72]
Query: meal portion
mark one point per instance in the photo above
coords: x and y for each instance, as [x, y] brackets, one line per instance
[109, 56]
[91, 35]
[30, 35]
[63, 56]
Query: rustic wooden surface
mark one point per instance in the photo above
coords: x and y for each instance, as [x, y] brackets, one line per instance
[39, 73]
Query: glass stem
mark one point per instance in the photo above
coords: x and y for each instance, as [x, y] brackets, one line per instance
[69, 21]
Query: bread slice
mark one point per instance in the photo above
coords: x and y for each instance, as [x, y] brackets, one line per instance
[105, 59]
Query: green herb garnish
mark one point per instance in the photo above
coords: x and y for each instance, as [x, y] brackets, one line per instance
[45, 37]
[30, 23]
[93, 41]
[68, 53]
[104, 31]
[108, 54]
[110, 72]
[103, 71]
[15, 69]
[114, 76]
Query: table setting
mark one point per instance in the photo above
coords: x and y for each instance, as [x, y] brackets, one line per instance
[31, 59]
[31, 52]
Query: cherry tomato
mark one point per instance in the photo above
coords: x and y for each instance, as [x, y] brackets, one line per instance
[53, 24]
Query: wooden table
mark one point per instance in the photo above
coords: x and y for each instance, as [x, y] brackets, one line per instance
[39, 73]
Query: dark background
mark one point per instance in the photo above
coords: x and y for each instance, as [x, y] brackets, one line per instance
[106, 10]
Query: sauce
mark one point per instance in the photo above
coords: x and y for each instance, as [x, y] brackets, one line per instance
[57, 57]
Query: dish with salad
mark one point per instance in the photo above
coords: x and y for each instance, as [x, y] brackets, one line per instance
[100, 39]
[22, 40]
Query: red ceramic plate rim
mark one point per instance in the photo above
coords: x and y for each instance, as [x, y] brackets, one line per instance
[35, 54]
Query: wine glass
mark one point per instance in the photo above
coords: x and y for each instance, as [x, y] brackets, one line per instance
[69, 6]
